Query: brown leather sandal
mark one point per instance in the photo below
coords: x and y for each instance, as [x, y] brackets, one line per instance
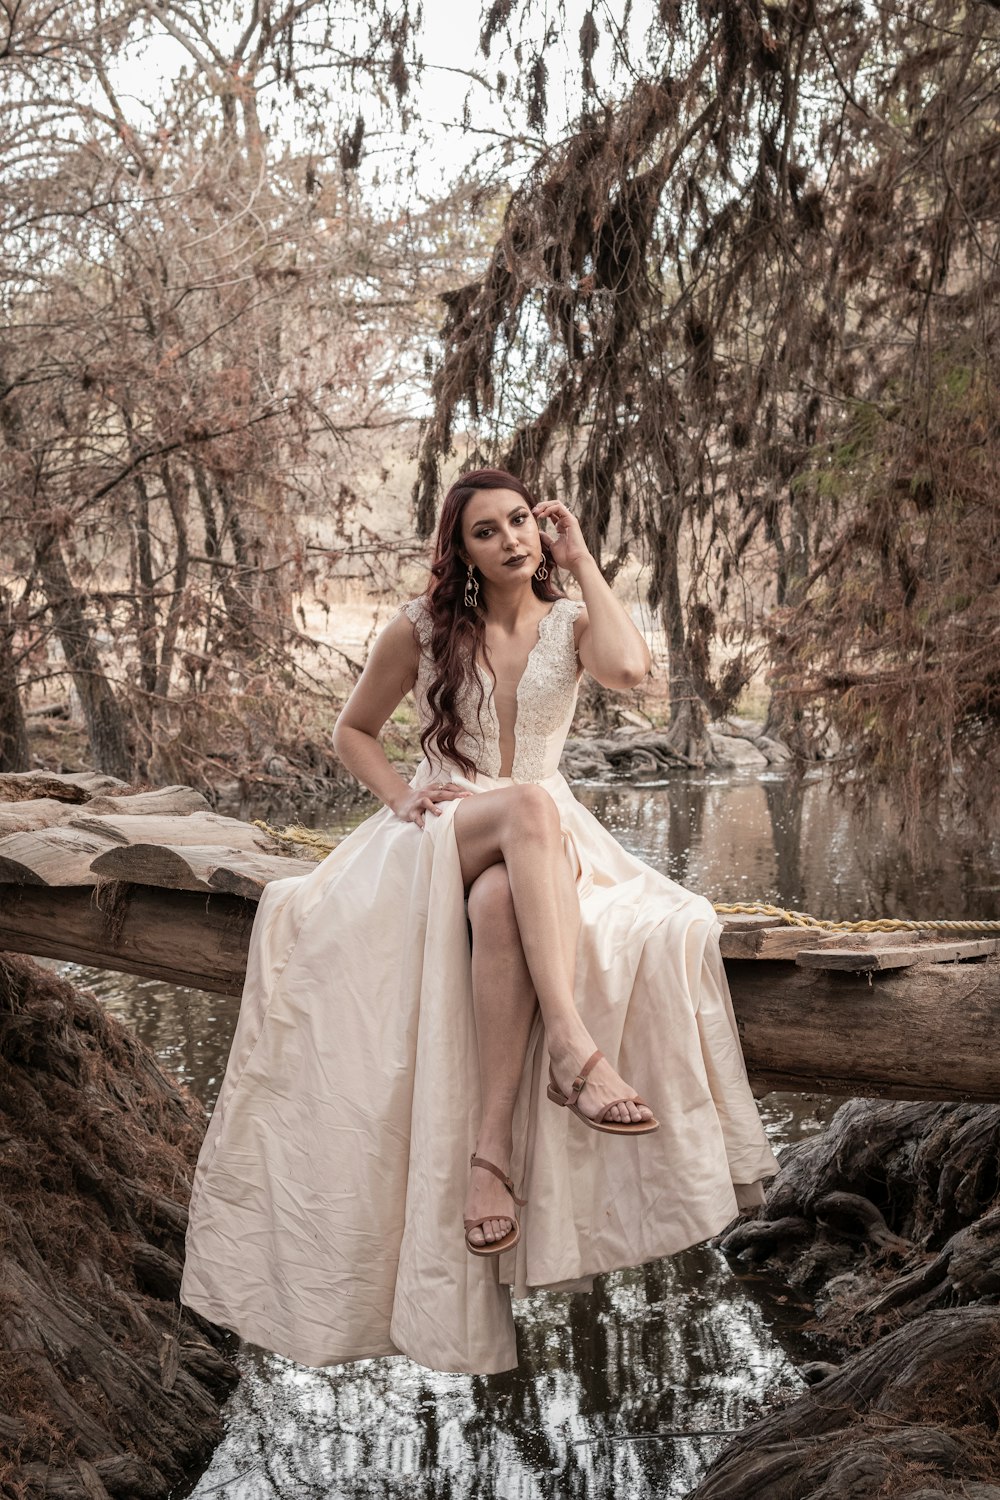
[611, 1127]
[511, 1238]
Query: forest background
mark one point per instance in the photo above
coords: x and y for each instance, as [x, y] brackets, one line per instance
[723, 275]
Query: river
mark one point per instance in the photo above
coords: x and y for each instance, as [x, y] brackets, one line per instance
[629, 1391]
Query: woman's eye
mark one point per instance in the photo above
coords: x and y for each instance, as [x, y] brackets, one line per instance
[519, 519]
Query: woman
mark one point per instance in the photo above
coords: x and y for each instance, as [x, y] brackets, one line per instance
[378, 1053]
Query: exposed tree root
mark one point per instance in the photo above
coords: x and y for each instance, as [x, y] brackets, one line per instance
[106, 1386]
[891, 1219]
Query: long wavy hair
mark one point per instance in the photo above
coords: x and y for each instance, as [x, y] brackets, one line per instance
[458, 630]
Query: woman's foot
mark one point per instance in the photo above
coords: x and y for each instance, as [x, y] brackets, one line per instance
[488, 1197]
[603, 1086]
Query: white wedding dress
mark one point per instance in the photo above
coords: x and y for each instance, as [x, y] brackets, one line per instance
[326, 1215]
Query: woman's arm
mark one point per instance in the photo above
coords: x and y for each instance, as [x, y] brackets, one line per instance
[389, 674]
[609, 646]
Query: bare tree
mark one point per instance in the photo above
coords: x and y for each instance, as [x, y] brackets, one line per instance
[202, 325]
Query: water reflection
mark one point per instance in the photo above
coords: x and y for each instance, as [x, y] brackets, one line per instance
[794, 842]
[634, 1389]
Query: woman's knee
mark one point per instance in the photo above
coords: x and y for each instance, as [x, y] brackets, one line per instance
[530, 812]
[490, 902]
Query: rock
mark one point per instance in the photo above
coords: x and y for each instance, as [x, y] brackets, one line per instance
[738, 754]
[741, 729]
[774, 751]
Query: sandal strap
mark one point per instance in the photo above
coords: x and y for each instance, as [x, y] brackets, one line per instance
[488, 1166]
[584, 1074]
[486, 1219]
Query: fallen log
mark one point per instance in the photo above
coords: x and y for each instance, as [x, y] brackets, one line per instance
[915, 1033]
[51, 856]
[159, 934]
[72, 786]
[19, 816]
[196, 867]
[157, 828]
[135, 890]
[169, 801]
[924, 1032]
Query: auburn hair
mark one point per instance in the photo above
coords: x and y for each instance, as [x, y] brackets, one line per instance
[458, 630]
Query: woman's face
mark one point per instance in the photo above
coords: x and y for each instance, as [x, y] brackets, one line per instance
[500, 537]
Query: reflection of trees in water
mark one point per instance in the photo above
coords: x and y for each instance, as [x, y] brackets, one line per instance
[671, 1348]
[663, 823]
[784, 798]
[190, 1031]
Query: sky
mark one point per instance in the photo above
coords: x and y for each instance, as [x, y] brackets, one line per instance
[449, 45]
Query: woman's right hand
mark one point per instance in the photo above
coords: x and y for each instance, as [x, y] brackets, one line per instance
[420, 801]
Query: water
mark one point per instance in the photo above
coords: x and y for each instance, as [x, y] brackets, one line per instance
[632, 1390]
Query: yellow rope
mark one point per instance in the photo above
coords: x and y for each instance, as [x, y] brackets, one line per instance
[880, 924]
[319, 845]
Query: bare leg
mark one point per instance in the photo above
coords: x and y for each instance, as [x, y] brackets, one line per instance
[520, 826]
[503, 998]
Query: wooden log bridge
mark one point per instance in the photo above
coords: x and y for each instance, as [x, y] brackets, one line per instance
[156, 884]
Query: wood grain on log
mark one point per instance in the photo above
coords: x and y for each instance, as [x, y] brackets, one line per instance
[17, 786]
[926, 1033]
[197, 867]
[177, 801]
[40, 812]
[195, 828]
[773, 942]
[50, 856]
[864, 958]
[172, 935]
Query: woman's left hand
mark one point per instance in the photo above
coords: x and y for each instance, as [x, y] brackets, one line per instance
[568, 547]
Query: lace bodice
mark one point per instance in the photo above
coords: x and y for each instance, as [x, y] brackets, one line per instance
[546, 697]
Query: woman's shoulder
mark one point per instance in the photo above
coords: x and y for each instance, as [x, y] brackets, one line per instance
[571, 613]
[417, 611]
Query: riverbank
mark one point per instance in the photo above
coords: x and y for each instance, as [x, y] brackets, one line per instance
[109, 1390]
[889, 1223]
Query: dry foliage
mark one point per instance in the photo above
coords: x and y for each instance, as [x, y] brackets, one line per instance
[209, 336]
[744, 315]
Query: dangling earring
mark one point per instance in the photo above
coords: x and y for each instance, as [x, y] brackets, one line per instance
[542, 572]
[471, 588]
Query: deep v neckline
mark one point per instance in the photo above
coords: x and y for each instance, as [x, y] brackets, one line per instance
[489, 677]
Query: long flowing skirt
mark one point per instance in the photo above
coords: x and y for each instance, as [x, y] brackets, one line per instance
[326, 1215]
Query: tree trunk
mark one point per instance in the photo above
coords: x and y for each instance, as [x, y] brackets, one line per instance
[14, 752]
[686, 726]
[106, 728]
